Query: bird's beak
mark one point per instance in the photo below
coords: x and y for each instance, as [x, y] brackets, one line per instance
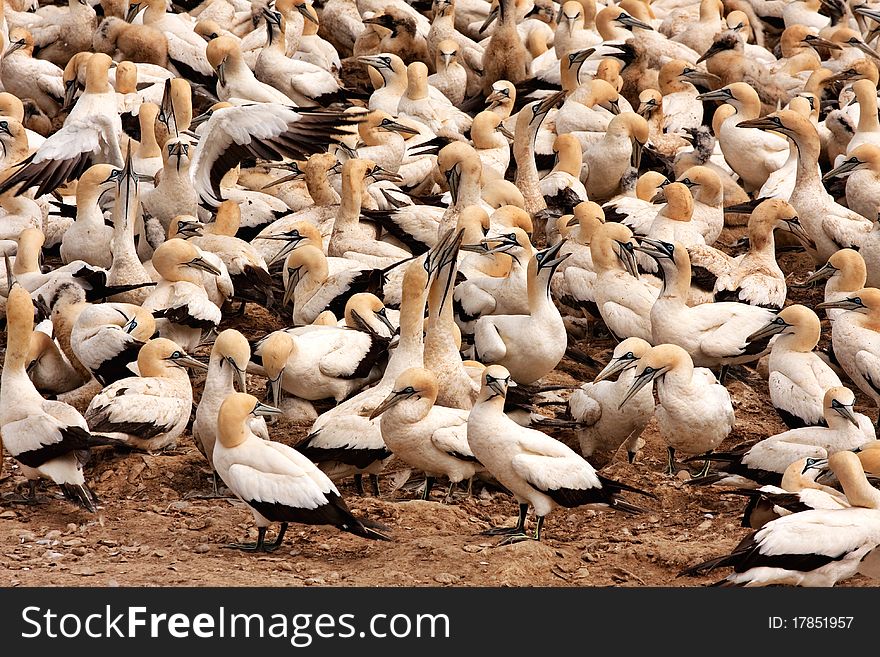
[771, 329]
[69, 93]
[133, 10]
[189, 229]
[305, 13]
[292, 281]
[189, 361]
[203, 265]
[638, 383]
[637, 148]
[865, 48]
[265, 409]
[15, 45]
[291, 242]
[714, 49]
[722, 95]
[646, 108]
[850, 164]
[391, 400]
[221, 74]
[651, 247]
[826, 271]
[626, 255]
[615, 106]
[453, 177]
[843, 304]
[763, 123]
[500, 386]
[379, 173]
[704, 78]
[616, 365]
[497, 97]
[817, 41]
[383, 317]
[629, 21]
[550, 102]
[399, 128]
[275, 389]
[795, 227]
[489, 20]
[846, 412]
[240, 374]
[504, 131]
[548, 256]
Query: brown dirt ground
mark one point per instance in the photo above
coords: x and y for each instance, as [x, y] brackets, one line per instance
[152, 533]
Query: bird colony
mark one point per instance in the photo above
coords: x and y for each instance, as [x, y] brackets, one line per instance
[567, 272]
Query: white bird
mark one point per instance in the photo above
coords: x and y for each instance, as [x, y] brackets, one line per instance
[754, 277]
[227, 366]
[278, 483]
[623, 300]
[149, 411]
[856, 341]
[830, 225]
[813, 548]
[798, 377]
[106, 339]
[712, 333]
[326, 361]
[234, 133]
[344, 441]
[179, 302]
[797, 492]
[765, 461]
[47, 438]
[603, 426]
[305, 84]
[532, 344]
[90, 135]
[425, 435]
[694, 413]
[540, 471]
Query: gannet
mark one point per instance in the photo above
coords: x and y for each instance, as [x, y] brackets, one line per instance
[149, 411]
[539, 470]
[276, 481]
[603, 425]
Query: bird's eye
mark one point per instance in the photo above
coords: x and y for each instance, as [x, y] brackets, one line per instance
[779, 321]
[629, 355]
[649, 370]
[857, 300]
[177, 354]
[408, 390]
[4, 125]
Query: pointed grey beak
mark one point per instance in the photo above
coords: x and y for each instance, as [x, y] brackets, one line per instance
[203, 265]
[795, 227]
[293, 276]
[453, 177]
[826, 271]
[628, 258]
[489, 20]
[844, 304]
[189, 361]
[275, 389]
[778, 325]
[630, 22]
[265, 409]
[391, 400]
[638, 383]
[383, 317]
[850, 164]
[240, 374]
[616, 365]
[844, 411]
